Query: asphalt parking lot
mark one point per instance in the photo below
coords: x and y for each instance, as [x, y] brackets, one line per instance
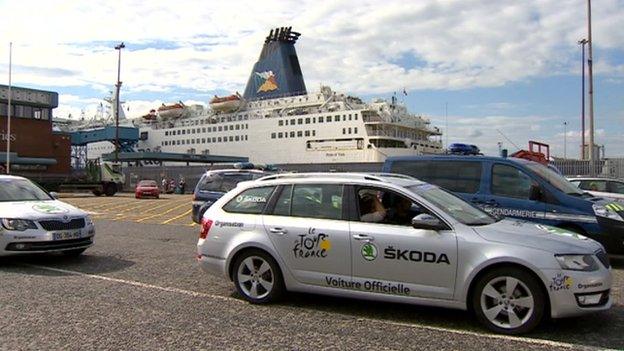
[139, 287]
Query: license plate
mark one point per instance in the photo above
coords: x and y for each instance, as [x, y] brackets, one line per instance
[66, 235]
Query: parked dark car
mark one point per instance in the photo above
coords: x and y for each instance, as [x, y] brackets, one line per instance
[463, 149]
[213, 184]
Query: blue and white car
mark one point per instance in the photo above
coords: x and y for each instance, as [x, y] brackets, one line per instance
[33, 221]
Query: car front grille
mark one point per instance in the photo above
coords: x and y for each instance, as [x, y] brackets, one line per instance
[49, 245]
[603, 257]
[75, 223]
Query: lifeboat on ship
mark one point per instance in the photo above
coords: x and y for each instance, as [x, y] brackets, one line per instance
[151, 116]
[176, 110]
[226, 103]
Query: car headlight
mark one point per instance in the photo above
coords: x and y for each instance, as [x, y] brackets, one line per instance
[607, 211]
[584, 263]
[88, 220]
[18, 224]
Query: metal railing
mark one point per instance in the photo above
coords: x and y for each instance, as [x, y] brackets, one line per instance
[608, 168]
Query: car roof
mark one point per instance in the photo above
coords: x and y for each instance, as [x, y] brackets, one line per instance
[6, 176]
[594, 178]
[236, 170]
[338, 178]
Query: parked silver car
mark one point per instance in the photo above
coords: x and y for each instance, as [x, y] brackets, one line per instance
[32, 221]
[394, 238]
[601, 187]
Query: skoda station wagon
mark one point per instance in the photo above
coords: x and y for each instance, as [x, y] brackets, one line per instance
[394, 238]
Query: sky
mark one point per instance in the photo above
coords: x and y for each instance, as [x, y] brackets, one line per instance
[492, 71]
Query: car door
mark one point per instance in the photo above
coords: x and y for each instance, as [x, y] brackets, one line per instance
[306, 227]
[509, 194]
[391, 257]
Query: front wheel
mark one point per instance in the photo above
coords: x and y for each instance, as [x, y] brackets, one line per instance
[509, 301]
[257, 277]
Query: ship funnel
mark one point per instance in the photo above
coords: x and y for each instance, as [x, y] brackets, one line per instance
[277, 72]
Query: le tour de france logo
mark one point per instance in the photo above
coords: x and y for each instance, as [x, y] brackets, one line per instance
[312, 244]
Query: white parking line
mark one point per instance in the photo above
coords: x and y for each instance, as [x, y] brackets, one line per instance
[137, 284]
[369, 320]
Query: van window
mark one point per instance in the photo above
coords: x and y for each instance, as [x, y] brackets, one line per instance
[317, 201]
[455, 176]
[250, 201]
[509, 181]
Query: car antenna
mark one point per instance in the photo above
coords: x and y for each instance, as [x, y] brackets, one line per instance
[509, 140]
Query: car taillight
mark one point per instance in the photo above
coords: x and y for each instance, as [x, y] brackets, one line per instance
[205, 227]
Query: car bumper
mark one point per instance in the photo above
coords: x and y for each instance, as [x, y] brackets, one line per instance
[576, 293]
[34, 242]
[612, 235]
[213, 265]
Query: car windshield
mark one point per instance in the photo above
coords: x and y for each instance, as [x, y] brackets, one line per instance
[224, 182]
[21, 190]
[555, 179]
[147, 183]
[457, 208]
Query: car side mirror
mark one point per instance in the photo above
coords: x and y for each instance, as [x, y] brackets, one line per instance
[54, 195]
[535, 193]
[427, 221]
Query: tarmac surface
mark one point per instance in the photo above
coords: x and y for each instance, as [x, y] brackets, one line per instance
[139, 287]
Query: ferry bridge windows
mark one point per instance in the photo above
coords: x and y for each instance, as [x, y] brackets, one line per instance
[231, 127]
[299, 133]
[300, 121]
[292, 134]
[355, 130]
[183, 131]
[214, 139]
[307, 133]
[329, 118]
[231, 138]
[307, 120]
[204, 130]
[320, 119]
[313, 119]
[280, 123]
[220, 128]
[272, 135]
[292, 122]
[280, 135]
[314, 133]
[236, 138]
[219, 139]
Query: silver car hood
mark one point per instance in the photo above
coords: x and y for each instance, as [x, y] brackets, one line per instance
[538, 236]
[35, 210]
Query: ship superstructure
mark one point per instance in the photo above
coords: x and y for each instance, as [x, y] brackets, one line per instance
[277, 120]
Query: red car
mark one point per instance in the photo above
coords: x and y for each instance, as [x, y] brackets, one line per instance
[147, 188]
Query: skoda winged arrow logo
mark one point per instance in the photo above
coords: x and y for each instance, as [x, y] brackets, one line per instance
[369, 251]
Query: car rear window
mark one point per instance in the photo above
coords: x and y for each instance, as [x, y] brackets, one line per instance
[147, 183]
[250, 201]
[455, 176]
[224, 182]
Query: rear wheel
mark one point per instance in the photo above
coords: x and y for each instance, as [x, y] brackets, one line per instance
[509, 301]
[97, 192]
[110, 189]
[257, 277]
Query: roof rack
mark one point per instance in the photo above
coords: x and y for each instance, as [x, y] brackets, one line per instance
[380, 177]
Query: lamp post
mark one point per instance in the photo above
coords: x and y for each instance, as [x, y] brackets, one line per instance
[118, 86]
[8, 136]
[582, 42]
[591, 86]
[565, 140]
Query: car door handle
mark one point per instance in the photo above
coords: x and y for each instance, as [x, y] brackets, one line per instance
[491, 202]
[363, 237]
[280, 231]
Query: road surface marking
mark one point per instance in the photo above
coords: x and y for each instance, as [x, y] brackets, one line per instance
[186, 203]
[368, 320]
[177, 217]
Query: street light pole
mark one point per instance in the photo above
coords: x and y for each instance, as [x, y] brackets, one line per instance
[8, 136]
[118, 86]
[565, 140]
[591, 84]
[582, 42]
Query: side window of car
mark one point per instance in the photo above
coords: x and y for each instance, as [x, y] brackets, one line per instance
[509, 181]
[250, 201]
[594, 185]
[616, 187]
[282, 205]
[378, 205]
[317, 201]
[456, 176]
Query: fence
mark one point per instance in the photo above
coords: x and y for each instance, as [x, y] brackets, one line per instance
[608, 168]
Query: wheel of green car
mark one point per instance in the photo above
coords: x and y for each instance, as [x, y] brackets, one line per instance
[508, 300]
[257, 277]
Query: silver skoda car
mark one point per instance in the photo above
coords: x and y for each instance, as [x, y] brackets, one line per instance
[32, 221]
[394, 238]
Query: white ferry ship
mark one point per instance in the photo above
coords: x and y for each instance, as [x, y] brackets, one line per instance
[277, 121]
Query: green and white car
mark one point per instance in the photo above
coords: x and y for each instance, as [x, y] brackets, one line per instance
[394, 238]
[33, 221]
